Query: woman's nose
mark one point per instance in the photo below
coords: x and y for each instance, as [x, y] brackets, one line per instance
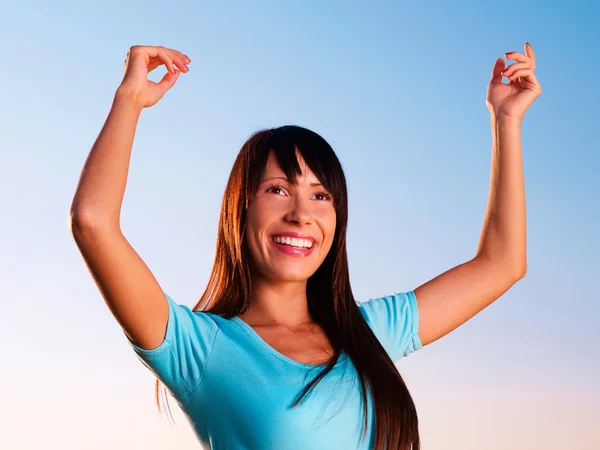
[299, 212]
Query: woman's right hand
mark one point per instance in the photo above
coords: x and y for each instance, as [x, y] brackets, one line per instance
[140, 61]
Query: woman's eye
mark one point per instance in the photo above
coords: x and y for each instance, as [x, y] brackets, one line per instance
[278, 190]
[323, 196]
[275, 190]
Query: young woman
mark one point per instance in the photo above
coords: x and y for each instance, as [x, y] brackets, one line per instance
[278, 354]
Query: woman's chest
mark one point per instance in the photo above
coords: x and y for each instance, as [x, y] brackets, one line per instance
[252, 401]
[251, 382]
[306, 347]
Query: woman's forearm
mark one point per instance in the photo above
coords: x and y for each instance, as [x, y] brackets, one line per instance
[102, 183]
[503, 237]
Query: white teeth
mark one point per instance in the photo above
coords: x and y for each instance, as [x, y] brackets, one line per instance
[294, 242]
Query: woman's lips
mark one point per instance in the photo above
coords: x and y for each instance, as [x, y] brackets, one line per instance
[292, 251]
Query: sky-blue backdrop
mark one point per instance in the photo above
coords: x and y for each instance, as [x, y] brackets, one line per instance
[398, 89]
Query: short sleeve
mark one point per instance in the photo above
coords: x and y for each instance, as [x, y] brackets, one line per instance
[394, 320]
[180, 360]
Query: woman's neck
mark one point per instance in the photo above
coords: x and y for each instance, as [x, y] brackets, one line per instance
[278, 303]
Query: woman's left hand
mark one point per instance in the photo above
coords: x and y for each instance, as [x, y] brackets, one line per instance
[513, 99]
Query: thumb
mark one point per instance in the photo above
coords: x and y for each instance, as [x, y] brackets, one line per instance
[168, 80]
[497, 71]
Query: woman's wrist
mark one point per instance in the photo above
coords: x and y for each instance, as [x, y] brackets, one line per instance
[505, 119]
[125, 98]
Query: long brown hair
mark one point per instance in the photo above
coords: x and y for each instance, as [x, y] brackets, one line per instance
[330, 300]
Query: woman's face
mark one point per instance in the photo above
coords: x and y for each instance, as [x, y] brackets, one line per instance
[289, 227]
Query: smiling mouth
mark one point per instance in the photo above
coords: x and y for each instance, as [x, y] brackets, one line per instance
[293, 246]
[293, 242]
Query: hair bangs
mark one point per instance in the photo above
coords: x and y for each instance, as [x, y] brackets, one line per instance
[287, 143]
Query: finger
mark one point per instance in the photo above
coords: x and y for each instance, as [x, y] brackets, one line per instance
[158, 56]
[521, 73]
[516, 56]
[179, 60]
[529, 51]
[513, 67]
[537, 87]
[154, 63]
[186, 59]
[165, 57]
[168, 81]
[497, 71]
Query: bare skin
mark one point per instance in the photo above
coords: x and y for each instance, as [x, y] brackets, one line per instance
[129, 288]
[450, 299]
[308, 346]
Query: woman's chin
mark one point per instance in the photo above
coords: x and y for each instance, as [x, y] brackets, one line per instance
[292, 275]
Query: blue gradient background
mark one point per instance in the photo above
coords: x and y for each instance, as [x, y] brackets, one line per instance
[398, 89]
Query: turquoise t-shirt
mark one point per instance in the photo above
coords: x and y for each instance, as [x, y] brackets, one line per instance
[237, 391]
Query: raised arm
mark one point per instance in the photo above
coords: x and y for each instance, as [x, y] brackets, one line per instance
[455, 296]
[127, 285]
